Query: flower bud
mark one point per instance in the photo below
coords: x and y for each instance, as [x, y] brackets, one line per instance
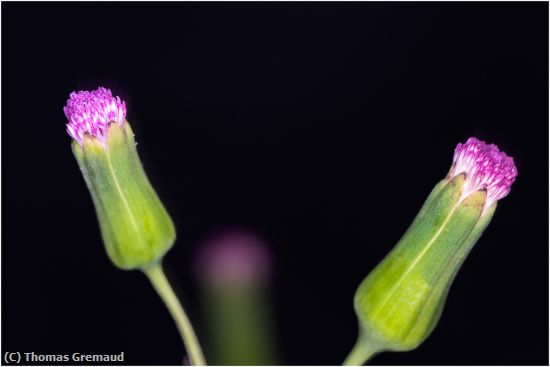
[401, 300]
[136, 229]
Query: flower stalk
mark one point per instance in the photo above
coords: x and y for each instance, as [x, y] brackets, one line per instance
[166, 293]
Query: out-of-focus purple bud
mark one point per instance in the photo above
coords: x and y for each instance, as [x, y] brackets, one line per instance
[233, 257]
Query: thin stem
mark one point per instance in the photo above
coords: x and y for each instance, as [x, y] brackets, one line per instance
[361, 352]
[166, 293]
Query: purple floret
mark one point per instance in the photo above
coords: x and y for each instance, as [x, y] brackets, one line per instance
[485, 167]
[92, 112]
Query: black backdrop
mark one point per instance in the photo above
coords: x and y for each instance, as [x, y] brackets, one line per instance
[321, 126]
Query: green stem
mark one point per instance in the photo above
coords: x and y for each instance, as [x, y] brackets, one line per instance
[361, 352]
[166, 293]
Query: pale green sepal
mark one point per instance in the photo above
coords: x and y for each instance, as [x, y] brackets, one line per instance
[427, 204]
[136, 229]
[462, 252]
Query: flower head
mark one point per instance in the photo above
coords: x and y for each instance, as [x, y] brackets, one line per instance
[136, 228]
[400, 302]
[485, 168]
[92, 112]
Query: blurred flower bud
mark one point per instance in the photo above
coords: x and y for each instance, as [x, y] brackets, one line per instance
[233, 268]
[136, 229]
[401, 300]
[233, 258]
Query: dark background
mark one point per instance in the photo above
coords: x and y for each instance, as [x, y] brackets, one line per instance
[320, 126]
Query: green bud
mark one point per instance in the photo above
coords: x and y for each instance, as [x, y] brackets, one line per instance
[400, 302]
[136, 229]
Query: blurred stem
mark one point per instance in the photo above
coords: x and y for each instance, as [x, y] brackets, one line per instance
[166, 293]
[361, 352]
[239, 325]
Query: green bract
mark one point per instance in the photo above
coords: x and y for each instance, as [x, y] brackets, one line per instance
[401, 300]
[136, 229]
